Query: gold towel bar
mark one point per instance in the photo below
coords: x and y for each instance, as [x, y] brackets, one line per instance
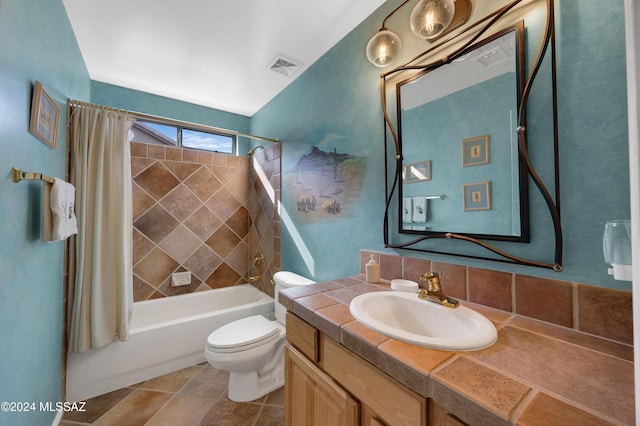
[19, 175]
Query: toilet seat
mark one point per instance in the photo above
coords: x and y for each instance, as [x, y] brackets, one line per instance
[243, 334]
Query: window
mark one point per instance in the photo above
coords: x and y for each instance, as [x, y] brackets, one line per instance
[207, 141]
[176, 135]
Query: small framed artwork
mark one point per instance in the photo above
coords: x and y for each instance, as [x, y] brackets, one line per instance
[45, 115]
[417, 172]
[475, 151]
[477, 196]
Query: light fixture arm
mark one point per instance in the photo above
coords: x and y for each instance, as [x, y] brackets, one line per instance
[384, 22]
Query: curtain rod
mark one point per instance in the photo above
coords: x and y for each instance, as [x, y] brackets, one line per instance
[194, 126]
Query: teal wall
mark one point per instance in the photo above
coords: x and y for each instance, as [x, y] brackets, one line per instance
[334, 104]
[133, 100]
[36, 43]
[339, 97]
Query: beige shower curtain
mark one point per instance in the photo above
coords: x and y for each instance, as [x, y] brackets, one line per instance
[100, 258]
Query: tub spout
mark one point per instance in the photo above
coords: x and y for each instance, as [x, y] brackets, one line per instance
[256, 268]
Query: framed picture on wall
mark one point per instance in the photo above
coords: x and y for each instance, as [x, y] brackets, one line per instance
[417, 172]
[475, 151]
[45, 115]
[477, 196]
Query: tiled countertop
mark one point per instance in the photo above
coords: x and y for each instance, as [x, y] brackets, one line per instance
[535, 374]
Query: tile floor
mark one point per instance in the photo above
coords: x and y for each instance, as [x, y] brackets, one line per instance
[193, 396]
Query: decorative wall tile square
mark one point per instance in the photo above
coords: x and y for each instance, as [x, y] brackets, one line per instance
[238, 259]
[223, 276]
[390, 266]
[203, 262]
[238, 186]
[174, 154]
[606, 312]
[203, 223]
[181, 202]
[155, 267]
[157, 180]
[189, 155]
[203, 183]
[181, 243]
[545, 299]
[138, 149]
[490, 288]
[156, 224]
[221, 160]
[223, 204]
[157, 151]
[205, 157]
[414, 268]
[239, 222]
[223, 241]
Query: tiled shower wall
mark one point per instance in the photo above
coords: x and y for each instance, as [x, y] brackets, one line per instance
[264, 233]
[191, 212]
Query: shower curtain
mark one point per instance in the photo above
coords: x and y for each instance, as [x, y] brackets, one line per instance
[100, 256]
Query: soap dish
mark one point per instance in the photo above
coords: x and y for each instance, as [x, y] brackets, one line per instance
[404, 285]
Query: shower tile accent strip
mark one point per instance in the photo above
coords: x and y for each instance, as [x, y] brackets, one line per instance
[201, 212]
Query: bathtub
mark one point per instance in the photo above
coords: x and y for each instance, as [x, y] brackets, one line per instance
[166, 335]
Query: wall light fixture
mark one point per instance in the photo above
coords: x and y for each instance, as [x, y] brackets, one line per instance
[429, 20]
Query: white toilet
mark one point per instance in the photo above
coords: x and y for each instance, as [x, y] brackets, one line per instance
[252, 348]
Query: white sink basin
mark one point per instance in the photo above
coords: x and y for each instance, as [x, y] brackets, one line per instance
[404, 317]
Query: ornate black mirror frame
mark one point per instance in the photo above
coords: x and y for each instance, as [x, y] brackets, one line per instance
[553, 203]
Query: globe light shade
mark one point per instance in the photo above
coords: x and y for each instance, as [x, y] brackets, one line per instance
[383, 48]
[431, 17]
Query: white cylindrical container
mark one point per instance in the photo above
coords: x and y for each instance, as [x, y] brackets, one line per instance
[372, 269]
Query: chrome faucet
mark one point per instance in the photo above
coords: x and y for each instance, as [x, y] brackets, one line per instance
[433, 292]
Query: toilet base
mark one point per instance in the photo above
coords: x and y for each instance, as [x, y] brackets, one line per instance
[249, 386]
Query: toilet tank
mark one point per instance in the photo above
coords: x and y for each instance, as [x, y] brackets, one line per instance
[284, 280]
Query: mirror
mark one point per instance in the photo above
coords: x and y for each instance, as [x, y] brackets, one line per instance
[459, 164]
[457, 129]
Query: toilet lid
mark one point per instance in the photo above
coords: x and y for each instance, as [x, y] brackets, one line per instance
[245, 333]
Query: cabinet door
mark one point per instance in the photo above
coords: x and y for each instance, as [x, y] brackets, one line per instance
[438, 416]
[369, 418]
[393, 403]
[312, 398]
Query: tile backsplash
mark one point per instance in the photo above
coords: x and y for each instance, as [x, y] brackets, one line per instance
[196, 211]
[595, 310]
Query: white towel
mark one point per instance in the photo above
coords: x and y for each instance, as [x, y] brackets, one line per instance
[46, 213]
[407, 210]
[420, 209]
[62, 203]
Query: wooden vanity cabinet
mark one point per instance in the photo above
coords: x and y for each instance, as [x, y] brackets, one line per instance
[312, 397]
[326, 384]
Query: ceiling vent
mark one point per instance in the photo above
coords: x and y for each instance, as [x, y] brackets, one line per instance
[283, 65]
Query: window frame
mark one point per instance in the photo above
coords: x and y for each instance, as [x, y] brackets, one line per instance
[193, 128]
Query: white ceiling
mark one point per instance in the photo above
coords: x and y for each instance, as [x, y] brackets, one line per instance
[208, 52]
